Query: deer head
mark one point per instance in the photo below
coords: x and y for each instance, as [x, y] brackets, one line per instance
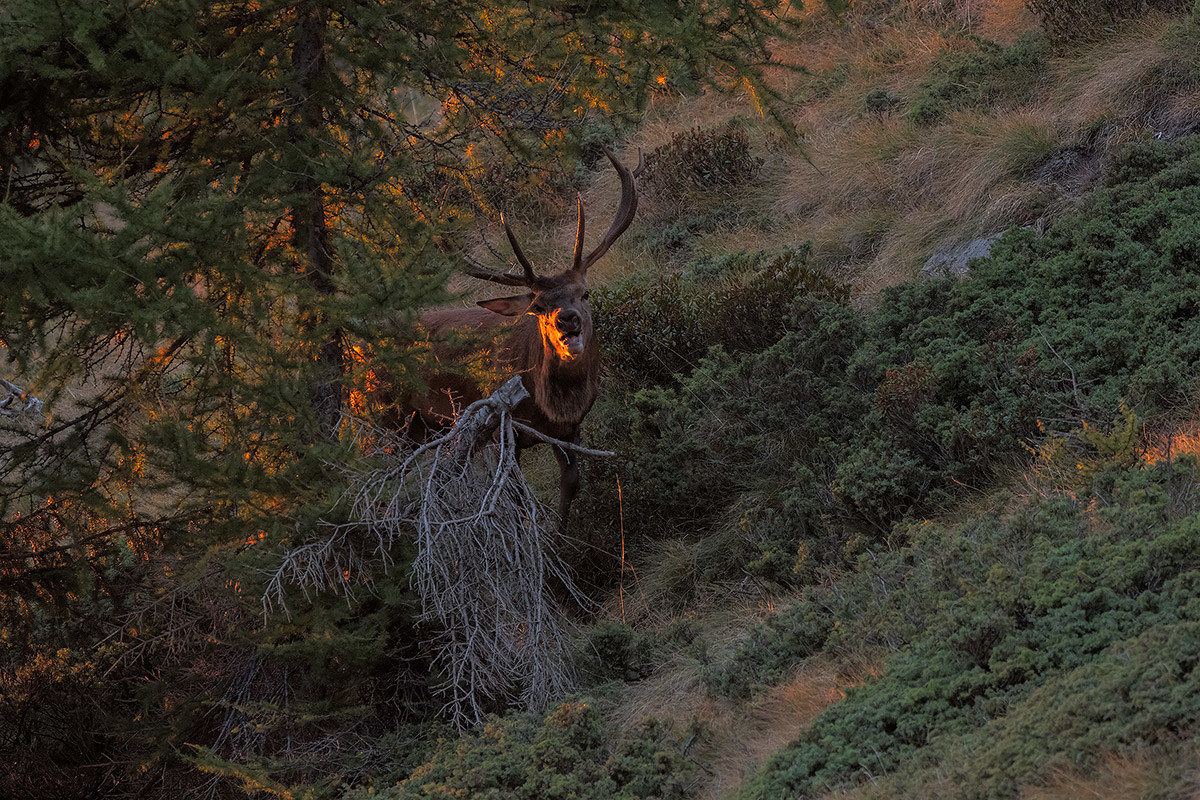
[560, 303]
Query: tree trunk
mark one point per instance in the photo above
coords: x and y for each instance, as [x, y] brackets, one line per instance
[310, 231]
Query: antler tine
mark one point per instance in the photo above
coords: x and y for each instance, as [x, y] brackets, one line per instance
[578, 263]
[531, 279]
[625, 210]
[476, 269]
[641, 167]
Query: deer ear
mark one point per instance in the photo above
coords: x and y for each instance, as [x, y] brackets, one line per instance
[508, 306]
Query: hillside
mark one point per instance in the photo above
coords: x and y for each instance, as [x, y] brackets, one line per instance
[883, 543]
[900, 364]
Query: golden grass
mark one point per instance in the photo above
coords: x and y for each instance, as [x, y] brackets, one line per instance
[1116, 777]
[739, 737]
[1004, 20]
[1172, 441]
[1118, 80]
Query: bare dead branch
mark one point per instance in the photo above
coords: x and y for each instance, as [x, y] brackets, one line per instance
[16, 402]
[483, 565]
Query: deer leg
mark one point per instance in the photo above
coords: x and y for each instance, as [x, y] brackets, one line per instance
[568, 487]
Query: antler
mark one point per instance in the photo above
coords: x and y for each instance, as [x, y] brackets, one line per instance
[531, 279]
[577, 264]
[477, 270]
[624, 217]
[625, 211]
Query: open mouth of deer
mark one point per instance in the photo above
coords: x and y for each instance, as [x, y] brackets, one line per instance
[573, 342]
[564, 330]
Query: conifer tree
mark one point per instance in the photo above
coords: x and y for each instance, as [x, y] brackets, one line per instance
[209, 209]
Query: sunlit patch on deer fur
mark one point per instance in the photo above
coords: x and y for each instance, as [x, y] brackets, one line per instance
[566, 346]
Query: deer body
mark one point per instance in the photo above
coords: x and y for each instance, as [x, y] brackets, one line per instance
[545, 336]
[561, 392]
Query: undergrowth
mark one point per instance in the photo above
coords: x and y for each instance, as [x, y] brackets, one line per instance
[569, 755]
[810, 428]
[1063, 630]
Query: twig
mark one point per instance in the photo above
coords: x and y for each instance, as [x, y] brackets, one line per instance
[10, 406]
[587, 451]
[482, 567]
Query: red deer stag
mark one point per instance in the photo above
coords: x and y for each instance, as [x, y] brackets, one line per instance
[550, 344]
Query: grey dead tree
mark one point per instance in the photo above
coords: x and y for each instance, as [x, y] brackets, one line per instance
[484, 562]
[15, 402]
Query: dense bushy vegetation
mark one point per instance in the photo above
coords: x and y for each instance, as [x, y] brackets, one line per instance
[658, 325]
[820, 426]
[569, 756]
[1062, 630]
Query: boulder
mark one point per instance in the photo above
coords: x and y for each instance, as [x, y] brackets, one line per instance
[952, 260]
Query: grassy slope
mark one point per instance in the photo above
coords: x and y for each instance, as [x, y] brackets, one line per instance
[876, 189]
[876, 193]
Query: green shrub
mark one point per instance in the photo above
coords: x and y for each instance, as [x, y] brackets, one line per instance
[656, 326]
[570, 754]
[699, 160]
[1109, 288]
[1058, 632]
[1081, 19]
[614, 650]
[738, 423]
[675, 236]
[988, 75]
[881, 100]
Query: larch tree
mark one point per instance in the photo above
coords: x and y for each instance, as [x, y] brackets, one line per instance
[209, 212]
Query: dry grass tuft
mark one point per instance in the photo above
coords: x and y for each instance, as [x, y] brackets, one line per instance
[974, 162]
[1004, 20]
[742, 739]
[1117, 777]
[1172, 441]
[1119, 81]
[738, 738]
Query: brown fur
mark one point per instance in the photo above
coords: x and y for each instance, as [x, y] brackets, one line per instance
[527, 335]
[560, 393]
[550, 344]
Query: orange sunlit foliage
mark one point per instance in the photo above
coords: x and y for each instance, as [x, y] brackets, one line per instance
[61, 530]
[1179, 440]
[367, 383]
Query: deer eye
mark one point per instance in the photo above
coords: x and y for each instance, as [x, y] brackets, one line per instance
[586, 295]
